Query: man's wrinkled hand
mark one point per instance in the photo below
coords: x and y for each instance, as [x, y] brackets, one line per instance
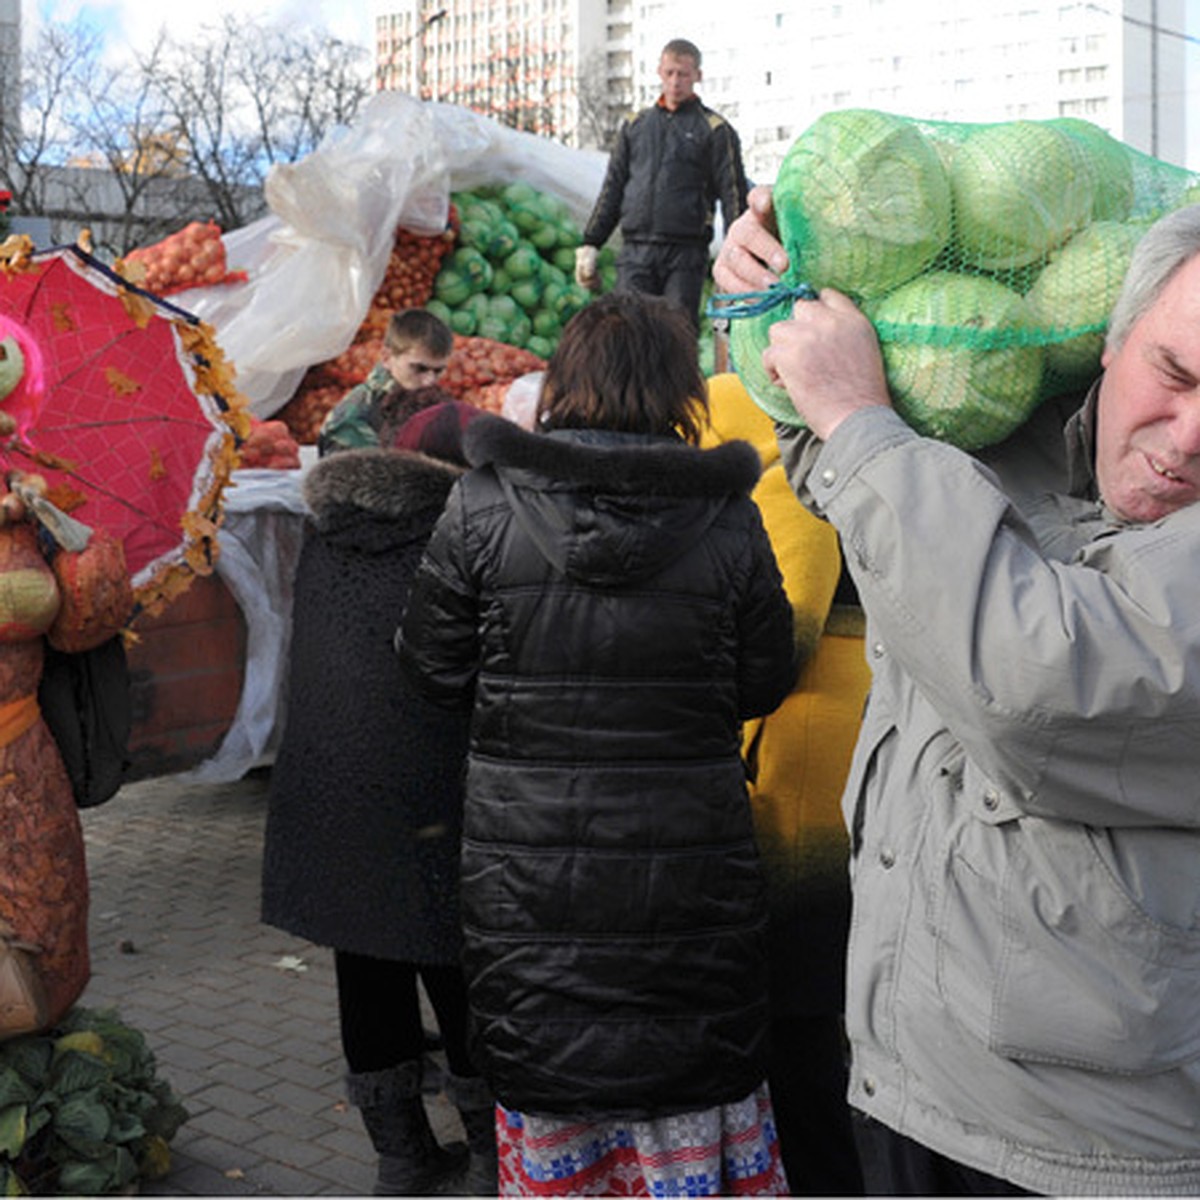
[827, 357]
[751, 257]
[585, 268]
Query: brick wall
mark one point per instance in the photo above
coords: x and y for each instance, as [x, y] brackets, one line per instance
[187, 671]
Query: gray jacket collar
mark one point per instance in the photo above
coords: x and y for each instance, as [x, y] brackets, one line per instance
[1080, 433]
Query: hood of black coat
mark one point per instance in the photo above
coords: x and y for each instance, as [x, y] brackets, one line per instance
[610, 508]
[377, 498]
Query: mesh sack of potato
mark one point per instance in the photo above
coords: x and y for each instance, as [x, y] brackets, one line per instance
[987, 256]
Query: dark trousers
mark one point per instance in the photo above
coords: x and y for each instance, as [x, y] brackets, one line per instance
[379, 1008]
[894, 1165]
[665, 269]
[808, 1093]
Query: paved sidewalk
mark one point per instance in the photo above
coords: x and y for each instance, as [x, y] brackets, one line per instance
[241, 1018]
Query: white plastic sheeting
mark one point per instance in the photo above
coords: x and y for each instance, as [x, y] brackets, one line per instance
[259, 547]
[317, 259]
[313, 266]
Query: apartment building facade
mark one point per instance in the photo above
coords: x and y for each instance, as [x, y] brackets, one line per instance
[10, 65]
[771, 67]
[521, 61]
[1127, 65]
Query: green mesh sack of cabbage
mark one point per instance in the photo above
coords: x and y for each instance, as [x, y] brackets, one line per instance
[988, 257]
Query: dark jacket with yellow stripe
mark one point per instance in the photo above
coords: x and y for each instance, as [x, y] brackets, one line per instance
[666, 173]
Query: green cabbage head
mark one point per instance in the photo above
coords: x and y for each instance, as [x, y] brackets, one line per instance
[862, 202]
[1021, 188]
[748, 338]
[1111, 166]
[954, 357]
[1079, 287]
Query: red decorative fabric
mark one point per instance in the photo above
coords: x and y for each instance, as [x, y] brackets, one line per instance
[125, 436]
[729, 1150]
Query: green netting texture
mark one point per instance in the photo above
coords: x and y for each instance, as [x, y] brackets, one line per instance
[988, 257]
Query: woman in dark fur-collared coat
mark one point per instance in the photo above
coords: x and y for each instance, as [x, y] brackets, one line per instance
[365, 808]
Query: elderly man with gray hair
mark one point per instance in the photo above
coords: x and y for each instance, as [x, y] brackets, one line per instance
[1024, 800]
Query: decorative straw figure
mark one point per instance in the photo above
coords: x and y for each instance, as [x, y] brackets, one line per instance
[77, 595]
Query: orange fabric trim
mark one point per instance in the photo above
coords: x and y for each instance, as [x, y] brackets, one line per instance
[16, 717]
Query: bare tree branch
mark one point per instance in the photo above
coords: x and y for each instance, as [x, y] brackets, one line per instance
[53, 73]
[188, 134]
[600, 111]
[247, 96]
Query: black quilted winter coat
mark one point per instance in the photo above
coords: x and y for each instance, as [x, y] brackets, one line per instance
[365, 807]
[612, 608]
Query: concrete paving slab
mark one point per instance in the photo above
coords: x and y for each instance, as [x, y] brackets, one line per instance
[242, 1018]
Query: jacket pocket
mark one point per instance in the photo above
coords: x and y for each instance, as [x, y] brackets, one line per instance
[865, 764]
[1047, 957]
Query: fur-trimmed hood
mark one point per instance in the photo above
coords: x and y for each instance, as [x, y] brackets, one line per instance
[610, 508]
[387, 483]
[617, 462]
[364, 816]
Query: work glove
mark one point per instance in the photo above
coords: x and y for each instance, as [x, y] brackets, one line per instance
[585, 268]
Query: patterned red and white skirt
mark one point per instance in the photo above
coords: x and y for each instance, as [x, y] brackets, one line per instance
[730, 1150]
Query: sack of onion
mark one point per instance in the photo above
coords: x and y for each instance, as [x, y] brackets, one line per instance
[192, 257]
[269, 446]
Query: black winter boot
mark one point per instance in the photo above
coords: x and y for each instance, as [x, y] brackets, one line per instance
[411, 1163]
[477, 1108]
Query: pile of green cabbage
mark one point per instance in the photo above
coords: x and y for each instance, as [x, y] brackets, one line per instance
[83, 1110]
[511, 277]
[988, 256]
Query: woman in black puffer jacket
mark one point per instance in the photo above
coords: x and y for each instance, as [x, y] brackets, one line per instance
[604, 597]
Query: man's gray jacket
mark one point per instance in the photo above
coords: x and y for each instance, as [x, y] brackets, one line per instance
[1024, 807]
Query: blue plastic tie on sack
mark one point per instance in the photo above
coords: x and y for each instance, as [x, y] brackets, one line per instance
[754, 304]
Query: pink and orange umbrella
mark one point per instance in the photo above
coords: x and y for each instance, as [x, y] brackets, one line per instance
[126, 406]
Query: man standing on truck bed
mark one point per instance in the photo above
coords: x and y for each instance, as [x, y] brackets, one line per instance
[672, 162]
